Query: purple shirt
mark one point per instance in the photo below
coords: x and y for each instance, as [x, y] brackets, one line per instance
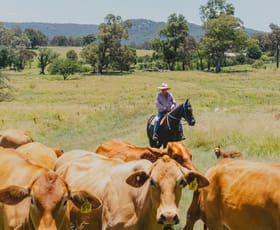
[165, 102]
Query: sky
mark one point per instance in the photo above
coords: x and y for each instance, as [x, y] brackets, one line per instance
[254, 14]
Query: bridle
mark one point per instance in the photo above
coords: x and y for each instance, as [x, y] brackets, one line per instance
[183, 113]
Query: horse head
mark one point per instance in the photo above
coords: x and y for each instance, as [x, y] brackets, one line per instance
[187, 112]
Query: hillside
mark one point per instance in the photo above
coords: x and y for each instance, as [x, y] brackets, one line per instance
[142, 30]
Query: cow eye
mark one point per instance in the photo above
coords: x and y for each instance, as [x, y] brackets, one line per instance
[182, 183]
[153, 182]
[32, 202]
[65, 202]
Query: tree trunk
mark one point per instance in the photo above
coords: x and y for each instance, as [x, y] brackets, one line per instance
[218, 64]
[277, 55]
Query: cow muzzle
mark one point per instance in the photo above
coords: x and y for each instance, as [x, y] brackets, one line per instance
[168, 219]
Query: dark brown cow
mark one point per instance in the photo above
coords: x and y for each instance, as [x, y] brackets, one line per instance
[226, 154]
[241, 195]
[13, 138]
[34, 197]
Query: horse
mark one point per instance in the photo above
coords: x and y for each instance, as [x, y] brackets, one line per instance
[169, 125]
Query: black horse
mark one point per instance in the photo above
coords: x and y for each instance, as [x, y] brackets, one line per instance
[169, 130]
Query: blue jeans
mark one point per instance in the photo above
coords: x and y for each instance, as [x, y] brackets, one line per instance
[157, 120]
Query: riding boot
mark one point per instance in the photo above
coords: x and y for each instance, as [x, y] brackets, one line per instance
[155, 135]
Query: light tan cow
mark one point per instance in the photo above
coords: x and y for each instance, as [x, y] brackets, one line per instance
[241, 195]
[39, 153]
[13, 138]
[34, 197]
[136, 194]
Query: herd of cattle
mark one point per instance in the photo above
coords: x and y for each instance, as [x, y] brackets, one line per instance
[123, 186]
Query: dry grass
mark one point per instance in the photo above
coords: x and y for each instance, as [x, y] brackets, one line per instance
[236, 110]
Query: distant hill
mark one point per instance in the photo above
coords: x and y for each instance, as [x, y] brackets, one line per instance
[142, 30]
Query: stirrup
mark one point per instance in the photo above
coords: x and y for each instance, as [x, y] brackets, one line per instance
[155, 137]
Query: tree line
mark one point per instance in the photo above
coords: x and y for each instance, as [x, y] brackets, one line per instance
[224, 43]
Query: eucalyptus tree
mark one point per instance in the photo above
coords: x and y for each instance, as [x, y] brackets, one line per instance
[45, 57]
[214, 8]
[36, 37]
[109, 37]
[187, 51]
[170, 39]
[275, 39]
[224, 33]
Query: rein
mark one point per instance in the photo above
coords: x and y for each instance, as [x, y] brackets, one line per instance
[169, 115]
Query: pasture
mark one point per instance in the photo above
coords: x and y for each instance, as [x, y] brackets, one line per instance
[236, 110]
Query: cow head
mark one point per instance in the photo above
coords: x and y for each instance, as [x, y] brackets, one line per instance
[180, 153]
[217, 151]
[166, 179]
[48, 201]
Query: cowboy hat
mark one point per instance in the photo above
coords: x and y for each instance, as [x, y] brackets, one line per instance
[163, 86]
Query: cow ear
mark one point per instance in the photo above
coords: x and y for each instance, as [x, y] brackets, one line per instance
[137, 179]
[195, 180]
[85, 201]
[150, 157]
[12, 195]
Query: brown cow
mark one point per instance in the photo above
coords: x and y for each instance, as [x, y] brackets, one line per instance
[226, 154]
[241, 195]
[39, 153]
[34, 197]
[179, 152]
[126, 151]
[13, 138]
[136, 194]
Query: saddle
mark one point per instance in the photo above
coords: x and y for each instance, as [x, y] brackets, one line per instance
[162, 120]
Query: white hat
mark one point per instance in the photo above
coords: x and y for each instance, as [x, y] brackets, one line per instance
[163, 86]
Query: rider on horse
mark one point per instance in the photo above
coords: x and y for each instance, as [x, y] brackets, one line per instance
[165, 102]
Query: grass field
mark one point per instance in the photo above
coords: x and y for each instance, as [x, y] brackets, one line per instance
[237, 110]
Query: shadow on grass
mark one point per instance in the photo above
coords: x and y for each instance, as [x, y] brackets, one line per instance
[113, 73]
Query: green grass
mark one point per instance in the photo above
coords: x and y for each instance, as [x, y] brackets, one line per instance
[237, 110]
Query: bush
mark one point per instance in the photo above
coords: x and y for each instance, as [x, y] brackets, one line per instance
[65, 67]
[258, 64]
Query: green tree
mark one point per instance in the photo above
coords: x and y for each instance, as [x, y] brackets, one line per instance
[72, 55]
[275, 39]
[90, 54]
[110, 34]
[224, 33]
[23, 57]
[264, 41]
[45, 57]
[126, 56]
[64, 67]
[254, 52]
[4, 56]
[214, 8]
[37, 38]
[86, 40]
[59, 41]
[186, 51]
[171, 37]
